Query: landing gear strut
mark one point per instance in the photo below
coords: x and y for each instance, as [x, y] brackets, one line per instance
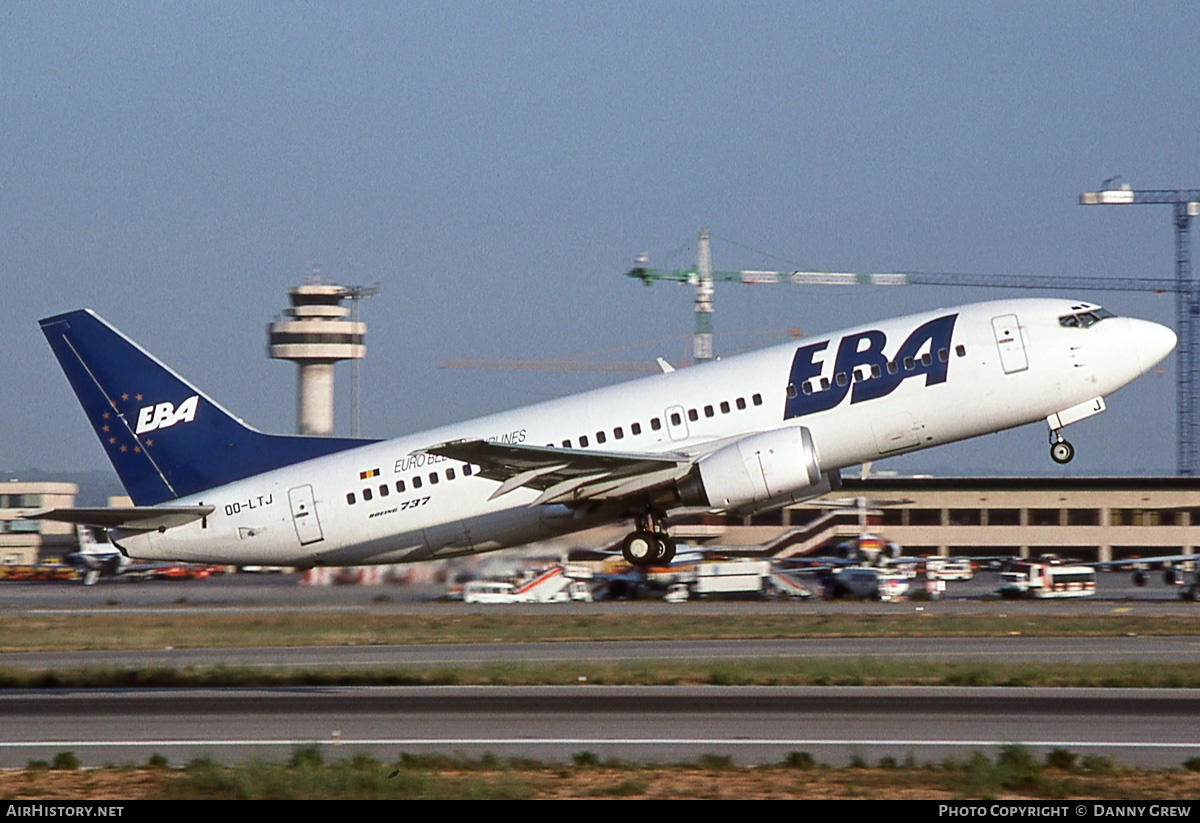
[1061, 451]
[649, 544]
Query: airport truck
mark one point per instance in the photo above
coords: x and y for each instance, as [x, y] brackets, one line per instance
[738, 578]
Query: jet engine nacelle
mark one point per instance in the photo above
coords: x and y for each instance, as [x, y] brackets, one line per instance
[763, 471]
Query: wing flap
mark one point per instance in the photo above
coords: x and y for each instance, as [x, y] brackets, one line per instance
[607, 487]
[566, 475]
[522, 478]
[127, 518]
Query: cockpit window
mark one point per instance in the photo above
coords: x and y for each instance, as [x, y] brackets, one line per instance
[1083, 319]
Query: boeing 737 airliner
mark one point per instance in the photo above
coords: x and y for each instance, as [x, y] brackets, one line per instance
[749, 433]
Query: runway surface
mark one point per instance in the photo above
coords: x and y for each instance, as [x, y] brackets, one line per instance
[752, 725]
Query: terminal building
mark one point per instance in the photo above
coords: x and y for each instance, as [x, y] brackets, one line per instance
[1085, 518]
[26, 542]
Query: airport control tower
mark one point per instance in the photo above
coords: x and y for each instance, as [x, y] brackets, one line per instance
[315, 336]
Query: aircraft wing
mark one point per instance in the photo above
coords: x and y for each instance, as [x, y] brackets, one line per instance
[567, 475]
[127, 518]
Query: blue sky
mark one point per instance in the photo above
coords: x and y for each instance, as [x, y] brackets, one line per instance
[497, 166]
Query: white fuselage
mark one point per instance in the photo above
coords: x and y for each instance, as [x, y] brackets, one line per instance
[1007, 363]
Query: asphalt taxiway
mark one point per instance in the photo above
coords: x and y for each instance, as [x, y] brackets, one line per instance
[657, 724]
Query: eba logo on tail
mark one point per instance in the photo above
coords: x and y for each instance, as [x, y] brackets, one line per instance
[165, 415]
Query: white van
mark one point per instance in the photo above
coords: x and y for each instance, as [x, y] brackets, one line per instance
[945, 568]
[488, 591]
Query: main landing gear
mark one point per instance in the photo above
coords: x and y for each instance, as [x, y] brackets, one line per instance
[1061, 451]
[650, 544]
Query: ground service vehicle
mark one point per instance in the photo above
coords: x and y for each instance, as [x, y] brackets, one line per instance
[1047, 580]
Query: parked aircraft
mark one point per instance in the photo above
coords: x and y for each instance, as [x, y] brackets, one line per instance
[749, 433]
[878, 582]
[95, 559]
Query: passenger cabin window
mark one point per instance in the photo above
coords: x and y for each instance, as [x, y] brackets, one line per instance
[601, 437]
[693, 415]
[384, 491]
[635, 428]
[366, 494]
[791, 390]
[741, 403]
[467, 470]
[656, 424]
[416, 482]
[350, 498]
[583, 441]
[433, 478]
[617, 433]
[757, 399]
[724, 407]
[449, 474]
[566, 444]
[960, 350]
[400, 487]
[708, 410]
[676, 419]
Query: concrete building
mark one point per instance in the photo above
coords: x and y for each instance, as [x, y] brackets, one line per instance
[1087, 518]
[31, 541]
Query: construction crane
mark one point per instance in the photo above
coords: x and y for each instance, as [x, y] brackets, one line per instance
[703, 276]
[586, 362]
[1186, 205]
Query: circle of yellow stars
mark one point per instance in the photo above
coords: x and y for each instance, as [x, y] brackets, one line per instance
[106, 429]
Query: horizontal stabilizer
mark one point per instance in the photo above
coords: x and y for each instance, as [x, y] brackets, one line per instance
[127, 518]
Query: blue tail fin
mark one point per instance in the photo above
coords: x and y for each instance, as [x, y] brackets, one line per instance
[165, 438]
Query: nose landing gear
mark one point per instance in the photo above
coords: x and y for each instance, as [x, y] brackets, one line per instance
[1061, 451]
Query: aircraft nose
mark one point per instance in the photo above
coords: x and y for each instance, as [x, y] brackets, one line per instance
[1151, 341]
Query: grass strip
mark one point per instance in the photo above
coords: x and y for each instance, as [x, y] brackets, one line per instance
[313, 773]
[790, 672]
[42, 632]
